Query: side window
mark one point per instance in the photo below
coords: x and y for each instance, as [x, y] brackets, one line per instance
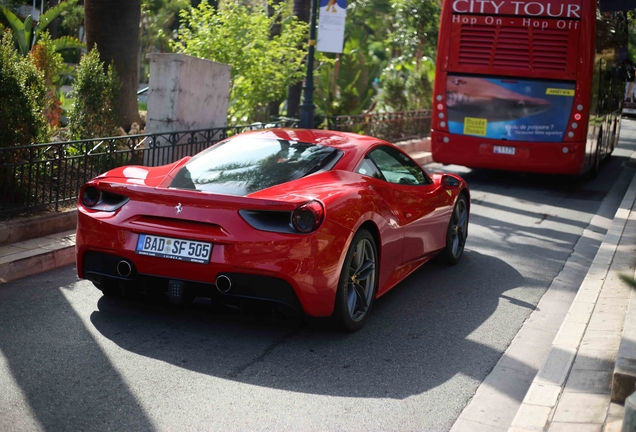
[398, 168]
[368, 168]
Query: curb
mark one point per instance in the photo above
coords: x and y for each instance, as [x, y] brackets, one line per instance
[547, 389]
[37, 256]
[37, 226]
[624, 377]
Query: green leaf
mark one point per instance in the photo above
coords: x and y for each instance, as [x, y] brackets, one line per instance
[27, 33]
[18, 29]
[67, 42]
[13, 20]
[50, 15]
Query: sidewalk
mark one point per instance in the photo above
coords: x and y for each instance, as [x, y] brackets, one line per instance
[591, 364]
[36, 244]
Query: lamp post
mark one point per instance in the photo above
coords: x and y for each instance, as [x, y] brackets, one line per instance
[307, 108]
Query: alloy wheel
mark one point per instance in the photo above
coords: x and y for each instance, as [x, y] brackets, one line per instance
[459, 226]
[361, 280]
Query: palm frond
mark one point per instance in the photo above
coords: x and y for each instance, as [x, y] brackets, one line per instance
[67, 42]
[50, 15]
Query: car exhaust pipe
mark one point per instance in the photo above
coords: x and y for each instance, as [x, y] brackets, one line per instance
[124, 269]
[223, 283]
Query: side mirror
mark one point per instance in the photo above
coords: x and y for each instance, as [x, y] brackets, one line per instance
[449, 182]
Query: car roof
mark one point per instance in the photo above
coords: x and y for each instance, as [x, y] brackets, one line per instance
[336, 139]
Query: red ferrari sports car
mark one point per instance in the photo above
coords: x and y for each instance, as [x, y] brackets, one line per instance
[324, 222]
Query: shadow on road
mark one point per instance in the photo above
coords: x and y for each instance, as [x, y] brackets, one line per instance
[415, 339]
[66, 378]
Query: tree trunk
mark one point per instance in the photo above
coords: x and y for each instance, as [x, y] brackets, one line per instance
[302, 9]
[275, 30]
[113, 25]
[52, 27]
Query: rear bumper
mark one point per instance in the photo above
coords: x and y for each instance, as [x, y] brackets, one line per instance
[553, 158]
[100, 267]
[299, 271]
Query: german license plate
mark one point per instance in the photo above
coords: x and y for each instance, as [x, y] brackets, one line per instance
[172, 248]
[503, 150]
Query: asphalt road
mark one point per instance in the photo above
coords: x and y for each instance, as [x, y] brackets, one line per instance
[73, 360]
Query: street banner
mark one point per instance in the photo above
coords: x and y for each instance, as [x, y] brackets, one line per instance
[331, 25]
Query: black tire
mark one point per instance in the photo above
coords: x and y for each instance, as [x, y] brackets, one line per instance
[596, 164]
[456, 233]
[614, 141]
[358, 283]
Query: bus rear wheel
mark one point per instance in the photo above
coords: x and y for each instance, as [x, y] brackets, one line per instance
[596, 163]
[614, 140]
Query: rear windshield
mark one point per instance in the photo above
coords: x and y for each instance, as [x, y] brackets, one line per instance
[246, 165]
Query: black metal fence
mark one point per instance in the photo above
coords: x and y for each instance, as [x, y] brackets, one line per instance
[45, 177]
[42, 177]
[396, 126]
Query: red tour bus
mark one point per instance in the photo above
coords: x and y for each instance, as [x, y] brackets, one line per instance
[528, 86]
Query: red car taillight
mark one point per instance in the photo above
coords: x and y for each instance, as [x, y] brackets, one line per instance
[93, 198]
[308, 217]
[90, 196]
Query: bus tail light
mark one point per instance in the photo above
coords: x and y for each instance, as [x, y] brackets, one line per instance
[573, 132]
[439, 114]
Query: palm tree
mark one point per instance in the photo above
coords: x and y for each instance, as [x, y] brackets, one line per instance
[301, 9]
[113, 25]
[53, 24]
[274, 32]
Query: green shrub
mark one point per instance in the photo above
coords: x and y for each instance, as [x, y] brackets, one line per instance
[393, 96]
[48, 61]
[407, 86]
[23, 94]
[419, 86]
[95, 93]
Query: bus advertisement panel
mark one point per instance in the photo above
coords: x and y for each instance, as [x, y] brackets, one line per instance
[509, 109]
